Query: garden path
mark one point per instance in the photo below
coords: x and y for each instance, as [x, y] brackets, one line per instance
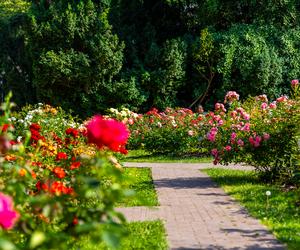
[197, 213]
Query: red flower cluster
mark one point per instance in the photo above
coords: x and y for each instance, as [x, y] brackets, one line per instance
[109, 133]
[35, 132]
[57, 187]
[72, 132]
[61, 156]
[75, 165]
[5, 127]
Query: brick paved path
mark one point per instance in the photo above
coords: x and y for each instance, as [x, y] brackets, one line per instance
[198, 214]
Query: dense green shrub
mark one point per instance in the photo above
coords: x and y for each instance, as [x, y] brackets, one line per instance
[144, 54]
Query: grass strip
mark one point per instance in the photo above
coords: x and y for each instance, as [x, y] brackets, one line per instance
[140, 181]
[140, 235]
[143, 156]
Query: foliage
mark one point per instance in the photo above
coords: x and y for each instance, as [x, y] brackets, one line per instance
[279, 211]
[73, 53]
[62, 187]
[145, 54]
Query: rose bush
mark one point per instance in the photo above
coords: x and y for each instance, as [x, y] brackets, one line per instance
[55, 187]
[258, 132]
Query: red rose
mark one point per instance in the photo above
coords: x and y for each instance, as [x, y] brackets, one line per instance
[35, 126]
[61, 156]
[73, 132]
[75, 165]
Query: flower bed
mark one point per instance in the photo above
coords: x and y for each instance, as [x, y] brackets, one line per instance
[174, 131]
[259, 132]
[58, 180]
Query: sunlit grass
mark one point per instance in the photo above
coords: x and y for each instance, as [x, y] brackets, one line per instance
[140, 181]
[140, 235]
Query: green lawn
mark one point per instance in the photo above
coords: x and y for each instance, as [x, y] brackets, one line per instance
[139, 180]
[143, 156]
[280, 211]
[140, 235]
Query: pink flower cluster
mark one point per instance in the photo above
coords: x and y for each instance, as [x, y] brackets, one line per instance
[211, 135]
[256, 140]
[231, 96]
[107, 132]
[8, 216]
[220, 107]
[295, 83]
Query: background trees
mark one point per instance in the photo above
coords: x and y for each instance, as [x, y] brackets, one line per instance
[103, 53]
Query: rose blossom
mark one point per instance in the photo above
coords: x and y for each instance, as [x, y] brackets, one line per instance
[295, 83]
[281, 99]
[190, 132]
[233, 136]
[231, 96]
[240, 142]
[264, 105]
[214, 152]
[59, 172]
[266, 136]
[246, 116]
[246, 127]
[109, 133]
[211, 136]
[273, 105]
[220, 107]
[8, 216]
[228, 148]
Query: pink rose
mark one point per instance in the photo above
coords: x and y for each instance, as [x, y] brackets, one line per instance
[281, 99]
[246, 116]
[264, 105]
[109, 133]
[227, 148]
[273, 105]
[266, 136]
[214, 152]
[246, 127]
[231, 96]
[233, 136]
[240, 142]
[8, 216]
[130, 121]
[295, 83]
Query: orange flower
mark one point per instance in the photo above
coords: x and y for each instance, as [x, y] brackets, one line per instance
[22, 172]
[59, 172]
[33, 174]
[10, 158]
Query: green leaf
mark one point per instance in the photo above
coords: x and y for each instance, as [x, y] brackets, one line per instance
[37, 239]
